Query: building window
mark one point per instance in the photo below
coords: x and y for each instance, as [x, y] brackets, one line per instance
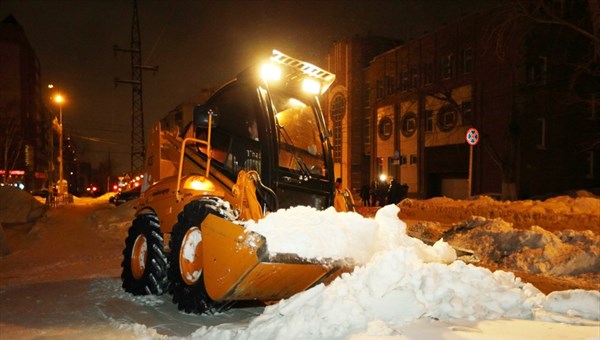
[367, 134]
[409, 124]
[389, 85]
[467, 112]
[593, 107]
[467, 60]
[590, 160]
[428, 121]
[428, 74]
[541, 122]
[380, 90]
[414, 78]
[402, 160]
[447, 64]
[385, 128]
[405, 81]
[446, 118]
[413, 159]
[338, 109]
[536, 71]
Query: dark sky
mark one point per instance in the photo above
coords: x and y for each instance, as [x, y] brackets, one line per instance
[196, 44]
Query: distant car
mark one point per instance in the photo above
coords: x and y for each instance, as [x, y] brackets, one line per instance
[43, 193]
[124, 196]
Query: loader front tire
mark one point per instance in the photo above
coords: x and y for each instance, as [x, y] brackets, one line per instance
[185, 273]
[144, 262]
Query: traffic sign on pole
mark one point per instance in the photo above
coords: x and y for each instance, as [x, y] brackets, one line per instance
[472, 136]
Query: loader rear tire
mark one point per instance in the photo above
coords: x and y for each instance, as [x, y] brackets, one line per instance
[185, 273]
[144, 262]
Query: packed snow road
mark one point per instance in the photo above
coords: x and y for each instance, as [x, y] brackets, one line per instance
[62, 280]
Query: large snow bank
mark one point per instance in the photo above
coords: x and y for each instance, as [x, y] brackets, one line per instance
[331, 235]
[557, 213]
[18, 206]
[403, 281]
[497, 242]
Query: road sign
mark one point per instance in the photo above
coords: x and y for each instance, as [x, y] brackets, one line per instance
[472, 136]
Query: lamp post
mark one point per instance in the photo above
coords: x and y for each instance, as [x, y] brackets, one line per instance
[59, 99]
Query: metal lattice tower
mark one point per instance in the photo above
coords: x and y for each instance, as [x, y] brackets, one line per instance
[138, 146]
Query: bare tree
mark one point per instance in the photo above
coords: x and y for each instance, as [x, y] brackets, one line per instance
[11, 140]
[509, 28]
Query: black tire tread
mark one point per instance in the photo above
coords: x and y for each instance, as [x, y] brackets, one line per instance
[155, 279]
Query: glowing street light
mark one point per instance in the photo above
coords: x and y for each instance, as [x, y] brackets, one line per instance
[59, 99]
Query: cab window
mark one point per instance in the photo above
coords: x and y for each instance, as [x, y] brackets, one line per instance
[300, 144]
[235, 139]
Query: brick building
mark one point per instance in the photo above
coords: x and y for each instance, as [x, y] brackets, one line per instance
[345, 106]
[24, 120]
[419, 99]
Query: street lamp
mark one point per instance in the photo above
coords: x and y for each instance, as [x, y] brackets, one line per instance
[59, 99]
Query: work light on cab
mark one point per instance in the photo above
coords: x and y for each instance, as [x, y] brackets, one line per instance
[270, 72]
[311, 86]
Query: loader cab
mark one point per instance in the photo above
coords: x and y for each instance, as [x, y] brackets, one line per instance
[275, 131]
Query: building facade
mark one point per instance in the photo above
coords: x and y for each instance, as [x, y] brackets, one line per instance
[420, 98]
[25, 141]
[345, 105]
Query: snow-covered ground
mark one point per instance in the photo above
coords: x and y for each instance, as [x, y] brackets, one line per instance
[61, 280]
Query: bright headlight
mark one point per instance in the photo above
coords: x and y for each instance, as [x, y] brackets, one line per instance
[198, 183]
[311, 86]
[270, 72]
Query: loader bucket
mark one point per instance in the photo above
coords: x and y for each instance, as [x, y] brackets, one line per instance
[238, 266]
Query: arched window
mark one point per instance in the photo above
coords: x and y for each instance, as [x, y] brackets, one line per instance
[385, 128]
[409, 124]
[338, 109]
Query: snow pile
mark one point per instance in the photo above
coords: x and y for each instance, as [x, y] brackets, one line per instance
[113, 218]
[496, 242]
[402, 283]
[328, 234]
[18, 206]
[574, 303]
[557, 213]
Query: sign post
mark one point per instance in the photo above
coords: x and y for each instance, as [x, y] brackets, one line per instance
[472, 138]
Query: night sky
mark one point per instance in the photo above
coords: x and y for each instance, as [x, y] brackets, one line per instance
[196, 44]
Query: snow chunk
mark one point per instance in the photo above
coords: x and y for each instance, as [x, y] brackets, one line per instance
[576, 303]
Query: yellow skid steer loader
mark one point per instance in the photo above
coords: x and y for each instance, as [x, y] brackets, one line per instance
[258, 144]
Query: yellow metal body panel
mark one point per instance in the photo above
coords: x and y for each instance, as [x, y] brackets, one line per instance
[237, 267]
